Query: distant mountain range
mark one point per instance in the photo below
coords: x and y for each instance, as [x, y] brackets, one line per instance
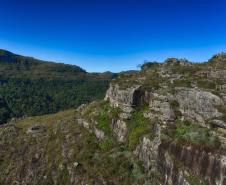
[29, 86]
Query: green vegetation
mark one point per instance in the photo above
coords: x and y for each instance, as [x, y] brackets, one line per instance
[175, 106]
[182, 83]
[107, 144]
[63, 151]
[149, 65]
[103, 114]
[218, 60]
[152, 81]
[190, 133]
[206, 84]
[32, 87]
[222, 109]
[4, 111]
[138, 126]
[126, 79]
[194, 180]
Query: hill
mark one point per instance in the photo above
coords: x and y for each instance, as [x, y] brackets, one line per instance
[164, 124]
[33, 87]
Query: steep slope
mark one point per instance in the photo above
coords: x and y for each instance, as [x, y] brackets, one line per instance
[35, 87]
[162, 125]
[55, 149]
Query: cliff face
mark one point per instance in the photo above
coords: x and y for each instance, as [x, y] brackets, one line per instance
[180, 162]
[162, 125]
[186, 94]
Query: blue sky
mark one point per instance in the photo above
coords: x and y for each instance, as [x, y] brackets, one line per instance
[113, 35]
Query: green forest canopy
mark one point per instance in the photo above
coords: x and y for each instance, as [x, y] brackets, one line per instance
[31, 87]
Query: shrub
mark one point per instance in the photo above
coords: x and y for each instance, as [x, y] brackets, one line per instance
[103, 123]
[206, 84]
[192, 133]
[106, 144]
[138, 126]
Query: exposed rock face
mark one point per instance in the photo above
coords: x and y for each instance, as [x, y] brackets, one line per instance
[202, 162]
[99, 134]
[218, 123]
[147, 150]
[168, 129]
[171, 174]
[83, 123]
[198, 105]
[128, 98]
[216, 74]
[160, 107]
[120, 130]
[124, 98]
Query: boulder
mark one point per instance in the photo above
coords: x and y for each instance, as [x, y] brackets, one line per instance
[35, 129]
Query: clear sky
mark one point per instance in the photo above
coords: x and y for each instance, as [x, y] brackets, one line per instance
[113, 35]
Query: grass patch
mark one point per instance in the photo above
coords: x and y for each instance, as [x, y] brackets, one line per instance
[205, 84]
[138, 126]
[188, 132]
[176, 108]
[103, 123]
[182, 83]
[103, 114]
[194, 180]
[107, 144]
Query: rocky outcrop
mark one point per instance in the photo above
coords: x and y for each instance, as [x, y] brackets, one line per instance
[147, 149]
[98, 133]
[126, 99]
[218, 123]
[172, 121]
[91, 128]
[120, 130]
[196, 161]
[160, 107]
[36, 129]
[216, 74]
[179, 165]
[198, 105]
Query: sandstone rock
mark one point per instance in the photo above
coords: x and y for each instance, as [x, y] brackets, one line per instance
[125, 115]
[198, 105]
[218, 123]
[147, 150]
[160, 107]
[83, 123]
[205, 164]
[124, 98]
[120, 130]
[216, 74]
[99, 133]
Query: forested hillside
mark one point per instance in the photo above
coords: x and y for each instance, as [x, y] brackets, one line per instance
[33, 87]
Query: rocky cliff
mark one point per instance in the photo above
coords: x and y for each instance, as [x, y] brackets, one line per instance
[164, 124]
